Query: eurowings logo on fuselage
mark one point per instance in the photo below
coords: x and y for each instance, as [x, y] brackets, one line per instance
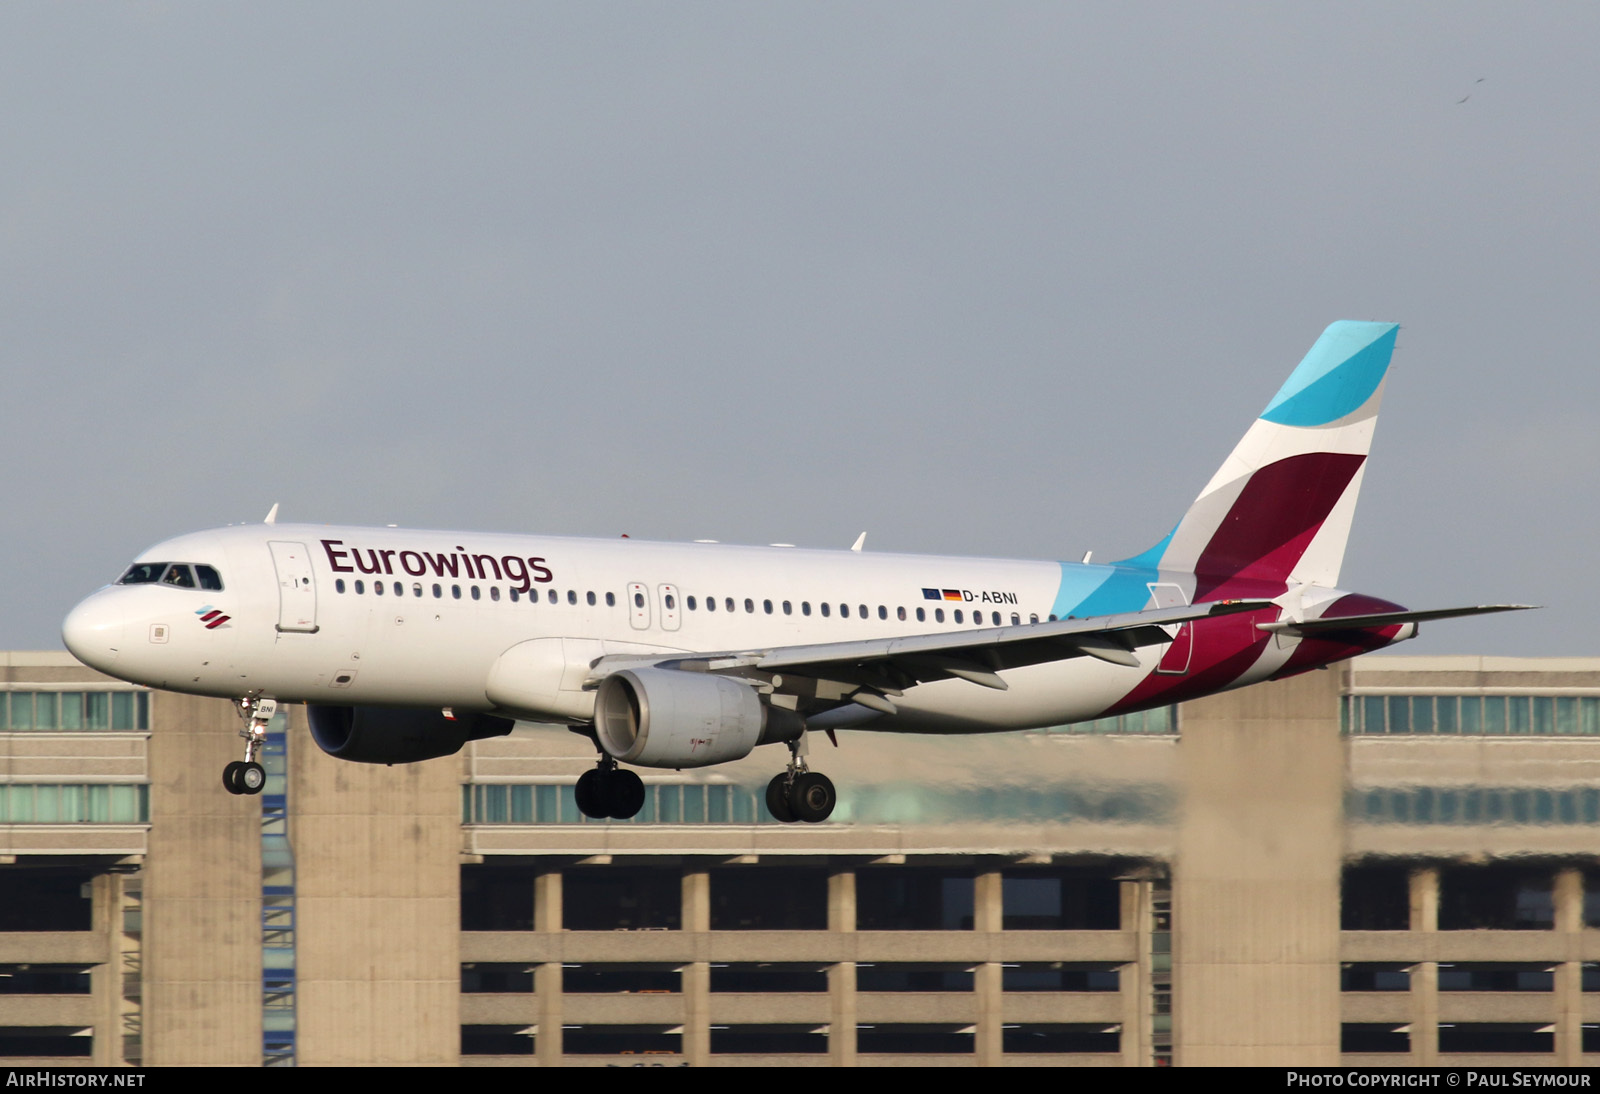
[211, 617]
[520, 572]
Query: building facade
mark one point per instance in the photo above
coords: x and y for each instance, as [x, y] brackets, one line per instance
[1391, 862]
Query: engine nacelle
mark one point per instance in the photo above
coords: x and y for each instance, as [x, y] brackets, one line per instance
[674, 718]
[384, 735]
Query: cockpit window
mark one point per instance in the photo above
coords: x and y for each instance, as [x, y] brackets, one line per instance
[178, 574]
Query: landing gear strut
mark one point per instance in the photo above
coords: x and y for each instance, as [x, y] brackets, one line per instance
[610, 791]
[799, 794]
[248, 776]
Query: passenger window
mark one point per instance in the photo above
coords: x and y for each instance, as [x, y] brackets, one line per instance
[515, 595]
[416, 589]
[938, 615]
[494, 592]
[727, 602]
[788, 608]
[883, 613]
[900, 613]
[377, 588]
[361, 587]
[672, 601]
[711, 603]
[638, 600]
[957, 615]
[399, 589]
[552, 596]
[805, 607]
[590, 598]
[338, 585]
[922, 616]
[438, 593]
[611, 600]
[749, 606]
[1016, 620]
[826, 610]
[1033, 617]
[863, 611]
[179, 575]
[476, 595]
[690, 602]
[572, 596]
[209, 578]
[844, 611]
[766, 606]
[455, 592]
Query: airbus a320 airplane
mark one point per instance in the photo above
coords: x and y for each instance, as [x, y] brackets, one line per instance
[404, 645]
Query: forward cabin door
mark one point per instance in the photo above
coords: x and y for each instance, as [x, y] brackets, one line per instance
[297, 593]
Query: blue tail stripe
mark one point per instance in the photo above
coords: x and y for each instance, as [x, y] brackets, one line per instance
[1340, 373]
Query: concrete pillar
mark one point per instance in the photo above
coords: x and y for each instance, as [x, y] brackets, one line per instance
[988, 908]
[1569, 974]
[378, 877]
[1256, 878]
[547, 983]
[1133, 979]
[696, 976]
[1425, 974]
[202, 893]
[842, 977]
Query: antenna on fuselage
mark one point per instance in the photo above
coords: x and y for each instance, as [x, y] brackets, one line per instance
[272, 515]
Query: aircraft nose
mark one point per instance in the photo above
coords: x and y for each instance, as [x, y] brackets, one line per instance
[94, 631]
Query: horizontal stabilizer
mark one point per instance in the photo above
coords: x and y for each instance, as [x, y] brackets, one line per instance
[1383, 619]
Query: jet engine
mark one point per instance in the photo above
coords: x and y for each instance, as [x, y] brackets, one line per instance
[385, 735]
[673, 718]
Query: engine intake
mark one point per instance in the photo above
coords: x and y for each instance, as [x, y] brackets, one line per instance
[673, 718]
[384, 735]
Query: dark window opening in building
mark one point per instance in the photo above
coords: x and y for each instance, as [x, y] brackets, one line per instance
[755, 898]
[911, 898]
[496, 1041]
[43, 1041]
[1370, 976]
[1496, 977]
[1060, 976]
[496, 979]
[45, 900]
[621, 1041]
[1060, 900]
[914, 1039]
[1591, 1039]
[44, 980]
[774, 978]
[622, 979]
[913, 977]
[767, 1040]
[497, 897]
[621, 898]
[1373, 1037]
[1591, 898]
[1375, 898]
[1501, 898]
[1495, 1037]
[1062, 1037]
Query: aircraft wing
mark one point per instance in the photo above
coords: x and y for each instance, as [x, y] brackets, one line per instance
[888, 666]
[1382, 619]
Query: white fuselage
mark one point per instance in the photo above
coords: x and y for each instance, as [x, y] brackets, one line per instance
[306, 620]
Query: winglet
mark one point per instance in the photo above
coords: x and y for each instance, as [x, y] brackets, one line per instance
[272, 515]
[860, 542]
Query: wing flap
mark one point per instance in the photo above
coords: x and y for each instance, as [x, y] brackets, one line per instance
[1382, 619]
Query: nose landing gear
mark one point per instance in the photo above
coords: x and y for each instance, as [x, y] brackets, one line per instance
[799, 794]
[248, 776]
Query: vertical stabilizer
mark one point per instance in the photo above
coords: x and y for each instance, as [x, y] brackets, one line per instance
[1280, 507]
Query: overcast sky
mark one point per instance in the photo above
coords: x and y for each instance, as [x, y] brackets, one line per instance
[1001, 279]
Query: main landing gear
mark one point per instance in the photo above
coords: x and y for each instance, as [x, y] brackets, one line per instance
[798, 794]
[248, 776]
[610, 791]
